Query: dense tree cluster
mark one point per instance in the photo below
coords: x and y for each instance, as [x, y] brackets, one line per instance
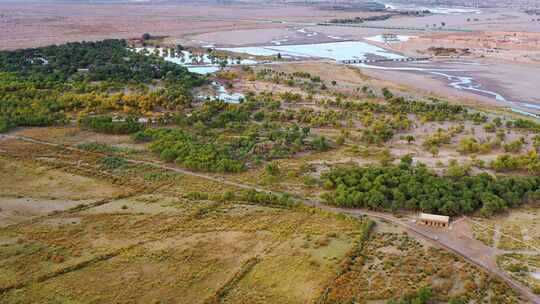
[219, 114]
[107, 60]
[180, 147]
[41, 86]
[415, 187]
[256, 136]
[212, 148]
[106, 124]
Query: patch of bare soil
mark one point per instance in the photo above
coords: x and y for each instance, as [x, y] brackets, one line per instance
[43, 24]
[29, 189]
[27, 179]
[16, 210]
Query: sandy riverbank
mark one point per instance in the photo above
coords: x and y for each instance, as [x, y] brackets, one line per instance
[514, 82]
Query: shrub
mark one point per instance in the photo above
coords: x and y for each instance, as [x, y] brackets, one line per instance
[468, 145]
[98, 147]
[197, 196]
[112, 163]
[272, 169]
[320, 144]
[514, 146]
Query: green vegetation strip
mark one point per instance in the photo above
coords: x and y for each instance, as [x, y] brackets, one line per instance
[233, 281]
[355, 252]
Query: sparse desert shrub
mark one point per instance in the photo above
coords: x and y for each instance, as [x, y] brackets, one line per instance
[112, 162]
[161, 176]
[197, 196]
[320, 144]
[98, 147]
[514, 146]
[272, 169]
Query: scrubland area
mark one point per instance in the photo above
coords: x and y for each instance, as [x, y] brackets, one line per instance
[121, 184]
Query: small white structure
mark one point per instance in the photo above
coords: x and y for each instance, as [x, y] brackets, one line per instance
[434, 220]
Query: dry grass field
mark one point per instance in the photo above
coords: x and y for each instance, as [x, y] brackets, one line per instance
[155, 249]
[158, 246]
[140, 240]
[517, 230]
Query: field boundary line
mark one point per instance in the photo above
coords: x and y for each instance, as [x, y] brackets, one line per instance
[504, 234]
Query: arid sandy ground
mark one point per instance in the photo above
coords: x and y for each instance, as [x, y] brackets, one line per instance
[30, 25]
[517, 82]
[486, 20]
[512, 46]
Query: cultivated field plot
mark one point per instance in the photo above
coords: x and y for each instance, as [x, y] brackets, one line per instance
[167, 248]
[30, 189]
[523, 268]
[173, 238]
[394, 264]
[159, 242]
[517, 230]
[160, 248]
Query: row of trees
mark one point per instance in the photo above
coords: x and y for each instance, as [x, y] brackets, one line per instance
[529, 162]
[415, 187]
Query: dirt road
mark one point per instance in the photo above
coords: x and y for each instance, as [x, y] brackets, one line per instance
[451, 240]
